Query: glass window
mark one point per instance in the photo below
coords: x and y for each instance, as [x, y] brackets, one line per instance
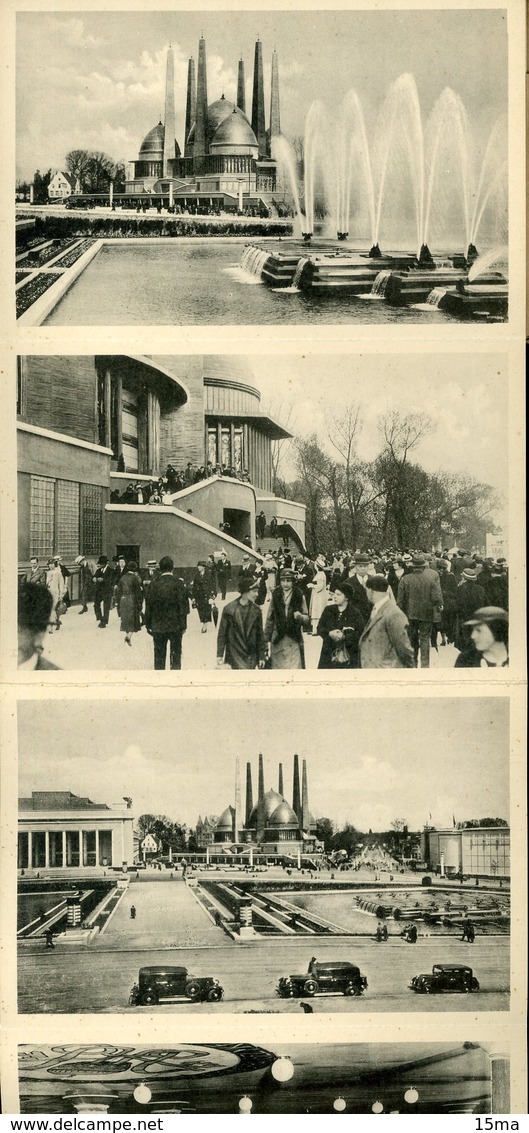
[212, 445]
[225, 447]
[91, 519]
[237, 449]
[42, 516]
[68, 518]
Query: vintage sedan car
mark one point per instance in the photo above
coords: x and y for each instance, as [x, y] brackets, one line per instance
[445, 977]
[158, 983]
[324, 979]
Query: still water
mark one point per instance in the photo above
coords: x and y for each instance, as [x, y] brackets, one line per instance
[342, 909]
[201, 283]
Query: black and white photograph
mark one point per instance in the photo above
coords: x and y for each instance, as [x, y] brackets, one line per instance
[262, 167]
[335, 1078]
[219, 513]
[269, 856]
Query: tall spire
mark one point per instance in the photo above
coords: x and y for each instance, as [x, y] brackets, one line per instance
[241, 88]
[199, 150]
[237, 814]
[258, 105]
[260, 802]
[280, 783]
[191, 106]
[169, 116]
[296, 801]
[249, 792]
[305, 798]
[275, 120]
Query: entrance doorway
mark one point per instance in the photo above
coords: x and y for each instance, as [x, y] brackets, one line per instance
[128, 551]
[239, 523]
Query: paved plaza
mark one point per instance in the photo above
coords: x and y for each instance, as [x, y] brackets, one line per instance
[80, 644]
[171, 928]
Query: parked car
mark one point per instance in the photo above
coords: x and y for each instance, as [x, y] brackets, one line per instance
[159, 983]
[323, 979]
[445, 977]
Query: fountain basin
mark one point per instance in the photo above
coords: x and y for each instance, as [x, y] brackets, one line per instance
[320, 270]
[401, 289]
[486, 295]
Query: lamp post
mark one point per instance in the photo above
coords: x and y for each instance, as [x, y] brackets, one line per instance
[245, 1104]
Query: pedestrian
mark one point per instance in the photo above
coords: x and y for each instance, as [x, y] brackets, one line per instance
[223, 573]
[340, 627]
[36, 573]
[384, 641]
[319, 593]
[449, 611]
[133, 912]
[57, 587]
[166, 611]
[287, 616]
[240, 639]
[129, 601]
[203, 595]
[34, 610]
[356, 574]
[419, 596]
[86, 583]
[489, 640]
[104, 589]
[470, 597]
[48, 935]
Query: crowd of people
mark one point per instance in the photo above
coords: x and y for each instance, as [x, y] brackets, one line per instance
[173, 480]
[372, 610]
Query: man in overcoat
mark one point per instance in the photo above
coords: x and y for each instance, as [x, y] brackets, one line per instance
[166, 610]
[384, 641]
[419, 595]
[104, 580]
[240, 640]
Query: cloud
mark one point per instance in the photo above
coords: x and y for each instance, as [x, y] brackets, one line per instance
[72, 32]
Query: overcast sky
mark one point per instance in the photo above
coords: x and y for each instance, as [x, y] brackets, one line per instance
[95, 80]
[369, 761]
[464, 394]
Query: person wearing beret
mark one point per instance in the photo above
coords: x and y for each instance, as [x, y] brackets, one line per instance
[489, 640]
[240, 640]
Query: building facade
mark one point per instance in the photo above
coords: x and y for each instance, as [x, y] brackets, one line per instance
[91, 426]
[475, 851]
[58, 830]
[62, 185]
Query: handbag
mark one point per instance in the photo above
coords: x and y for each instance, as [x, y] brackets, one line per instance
[61, 608]
[214, 613]
[340, 655]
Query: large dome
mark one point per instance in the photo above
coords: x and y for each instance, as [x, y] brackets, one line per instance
[217, 114]
[283, 815]
[235, 130]
[152, 144]
[271, 801]
[225, 821]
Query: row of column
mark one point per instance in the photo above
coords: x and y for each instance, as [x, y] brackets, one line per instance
[80, 834]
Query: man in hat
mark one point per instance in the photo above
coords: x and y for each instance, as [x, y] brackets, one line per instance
[86, 583]
[359, 570]
[104, 589]
[223, 573]
[35, 604]
[384, 641]
[420, 596]
[470, 596]
[240, 640]
[247, 570]
[287, 616]
[489, 644]
[166, 610]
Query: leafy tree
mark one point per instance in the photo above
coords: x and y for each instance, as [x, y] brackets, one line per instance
[346, 839]
[325, 831]
[40, 186]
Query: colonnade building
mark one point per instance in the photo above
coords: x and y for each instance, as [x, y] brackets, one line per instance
[60, 831]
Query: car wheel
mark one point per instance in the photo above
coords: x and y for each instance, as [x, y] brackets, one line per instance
[192, 991]
[310, 987]
[148, 998]
[475, 985]
[350, 989]
[214, 994]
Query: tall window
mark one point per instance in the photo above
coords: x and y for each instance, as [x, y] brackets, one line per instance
[91, 519]
[68, 517]
[42, 516]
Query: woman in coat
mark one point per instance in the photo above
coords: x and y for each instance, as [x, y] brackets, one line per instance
[203, 594]
[287, 617]
[129, 601]
[340, 627]
[320, 595]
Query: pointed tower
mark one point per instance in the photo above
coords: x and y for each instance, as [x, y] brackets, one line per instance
[191, 106]
[249, 792]
[261, 803]
[169, 117]
[258, 105]
[241, 88]
[200, 146]
[296, 800]
[275, 121]
[280, 782]
[237, 811]
[305, 819]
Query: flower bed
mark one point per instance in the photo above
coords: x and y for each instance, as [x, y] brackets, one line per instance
[30, 292]
[50, 227]
[70, 257]
[19, 275]
[46, 254]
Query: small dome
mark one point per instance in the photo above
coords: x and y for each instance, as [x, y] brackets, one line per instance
[152, 144]
[235, 130]
[283, 815]
[225, 821]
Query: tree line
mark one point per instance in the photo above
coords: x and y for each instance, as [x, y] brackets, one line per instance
[95, 170]
[391, 501]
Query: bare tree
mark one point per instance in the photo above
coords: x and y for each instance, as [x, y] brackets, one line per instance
[359, 490]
